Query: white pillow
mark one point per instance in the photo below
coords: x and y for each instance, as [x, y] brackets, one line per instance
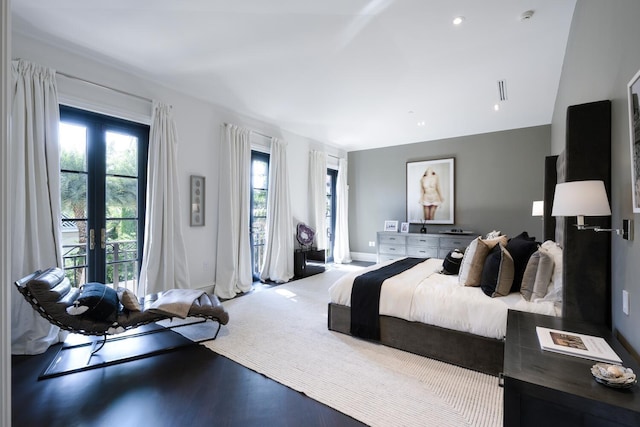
[554, 293]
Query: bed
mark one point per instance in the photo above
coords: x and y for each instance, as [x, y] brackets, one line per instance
[584, 279]
[426, 312]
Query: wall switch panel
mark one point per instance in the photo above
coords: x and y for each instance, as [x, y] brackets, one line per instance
[625, 302]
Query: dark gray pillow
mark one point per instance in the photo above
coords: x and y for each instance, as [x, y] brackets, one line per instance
[537, 275]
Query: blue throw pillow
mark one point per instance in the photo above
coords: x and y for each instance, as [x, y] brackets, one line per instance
[96, 301]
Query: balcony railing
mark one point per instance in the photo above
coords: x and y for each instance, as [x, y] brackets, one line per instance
[122, 265]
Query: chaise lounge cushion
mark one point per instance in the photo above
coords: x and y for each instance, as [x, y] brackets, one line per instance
[50, 293]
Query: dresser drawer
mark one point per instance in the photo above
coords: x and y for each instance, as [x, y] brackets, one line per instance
[395, 239]
[423, 241]
[391, 249]
[383, 258]
[455, 242]
[422, 252]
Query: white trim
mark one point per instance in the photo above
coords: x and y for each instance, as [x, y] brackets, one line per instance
[260, 142]
[100, 99]
[5, 215]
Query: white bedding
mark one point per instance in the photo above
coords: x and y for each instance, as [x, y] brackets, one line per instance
[421, 294]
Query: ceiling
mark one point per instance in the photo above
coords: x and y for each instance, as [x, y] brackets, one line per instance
[356, 74]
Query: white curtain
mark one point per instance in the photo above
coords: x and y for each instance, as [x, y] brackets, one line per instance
[35, 197]
[318, 196]
[341, 251]
[278, 257]
[233, 252]
[164, 259]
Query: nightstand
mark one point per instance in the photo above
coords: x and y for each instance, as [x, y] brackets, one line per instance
[543, 388]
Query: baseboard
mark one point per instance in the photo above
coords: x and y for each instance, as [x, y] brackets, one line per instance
[364, 256]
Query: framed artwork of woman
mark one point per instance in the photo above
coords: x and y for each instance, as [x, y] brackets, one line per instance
[430, 191]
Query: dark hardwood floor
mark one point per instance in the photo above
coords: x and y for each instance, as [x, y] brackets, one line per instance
[190, 386]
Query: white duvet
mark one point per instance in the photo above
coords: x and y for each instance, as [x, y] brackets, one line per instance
[421, 294]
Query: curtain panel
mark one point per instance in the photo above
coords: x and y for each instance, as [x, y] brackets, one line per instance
[341, 251]
[35, 197]
[278, 257]
[164, 259]
[233, 252]
[318, 196]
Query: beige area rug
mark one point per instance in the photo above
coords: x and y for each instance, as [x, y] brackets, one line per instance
[282, 333]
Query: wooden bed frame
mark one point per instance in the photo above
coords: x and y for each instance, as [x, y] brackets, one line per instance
[585, 281]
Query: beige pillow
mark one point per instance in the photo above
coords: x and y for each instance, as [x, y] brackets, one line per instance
[554, 292]
[537, 275]
[128, 299]
[473, 263]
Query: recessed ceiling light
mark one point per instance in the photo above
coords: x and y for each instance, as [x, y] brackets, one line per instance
[458, 20]
[496, 107]
[422, 123]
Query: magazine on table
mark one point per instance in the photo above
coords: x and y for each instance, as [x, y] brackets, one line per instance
[573, 344]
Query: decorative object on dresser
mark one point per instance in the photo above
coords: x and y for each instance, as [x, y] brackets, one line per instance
[390, 225]
[430, 192]
[404, 227]
[394, 245]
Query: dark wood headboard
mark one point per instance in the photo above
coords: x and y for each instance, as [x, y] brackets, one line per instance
[586, 254]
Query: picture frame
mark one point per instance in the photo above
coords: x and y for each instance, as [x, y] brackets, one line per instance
[197, 200]
[391, 225]
[633, 89]
[404, 227]
[430, 191]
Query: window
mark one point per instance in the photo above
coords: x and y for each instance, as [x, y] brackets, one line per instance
[103, 168]
[258, 221]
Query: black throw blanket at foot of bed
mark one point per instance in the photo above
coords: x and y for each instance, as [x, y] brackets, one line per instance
[365, 297]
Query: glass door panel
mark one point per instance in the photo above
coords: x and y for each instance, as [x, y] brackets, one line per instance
[73, 190]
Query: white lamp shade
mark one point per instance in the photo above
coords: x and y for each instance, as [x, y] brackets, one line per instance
[581, 198]
[537, 209]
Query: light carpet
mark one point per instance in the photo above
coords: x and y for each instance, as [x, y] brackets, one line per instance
[282, 333]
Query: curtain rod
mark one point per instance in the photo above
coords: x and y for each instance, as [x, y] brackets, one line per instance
[69, 76]
[267, 136]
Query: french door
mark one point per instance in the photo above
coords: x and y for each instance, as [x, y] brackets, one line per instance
[332, 177]
[258, 220]
[103, 169]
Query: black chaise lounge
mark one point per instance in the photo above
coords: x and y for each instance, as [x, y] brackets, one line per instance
[51, 294]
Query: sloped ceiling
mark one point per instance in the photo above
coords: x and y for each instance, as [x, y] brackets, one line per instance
[356, 74]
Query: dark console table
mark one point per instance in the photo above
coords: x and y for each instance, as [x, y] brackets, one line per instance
[543, 388]
[307, 262]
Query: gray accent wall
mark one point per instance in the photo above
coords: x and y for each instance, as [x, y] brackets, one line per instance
[603, 54]
[497, 177]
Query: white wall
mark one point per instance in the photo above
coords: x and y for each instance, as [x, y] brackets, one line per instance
[602, 56]
[198, 123]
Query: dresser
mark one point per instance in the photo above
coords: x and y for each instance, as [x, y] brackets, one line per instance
[392, 245]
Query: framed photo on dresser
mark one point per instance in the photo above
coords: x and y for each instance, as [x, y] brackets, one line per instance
[430, 191]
